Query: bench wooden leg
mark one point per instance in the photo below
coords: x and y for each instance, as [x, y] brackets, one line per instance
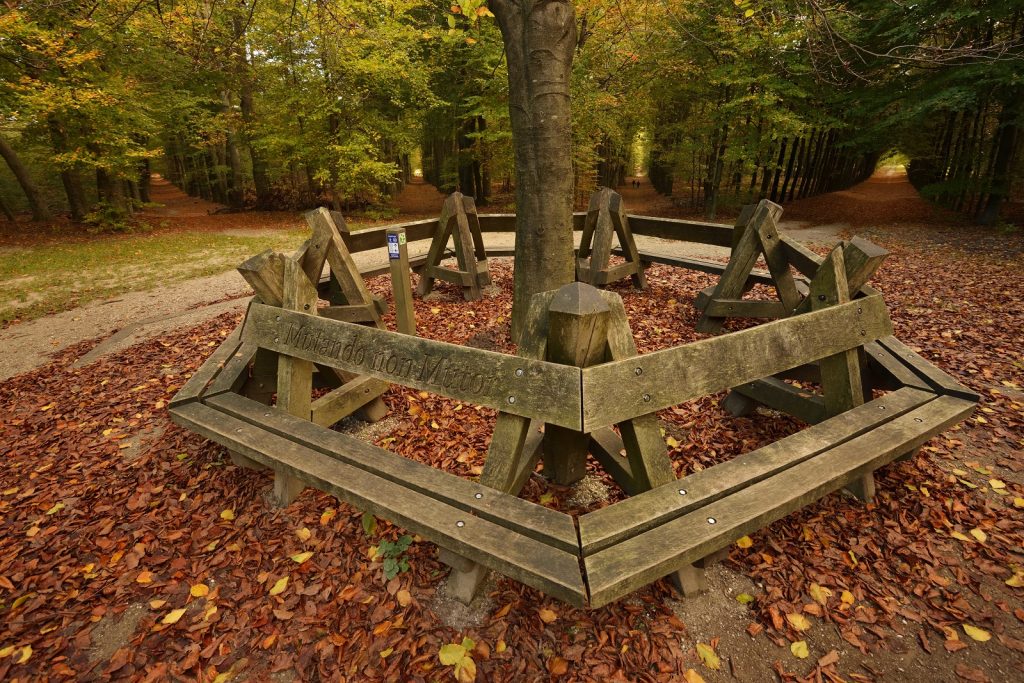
[240, 460]
[690, 581]
[286, 490]
[738, 405]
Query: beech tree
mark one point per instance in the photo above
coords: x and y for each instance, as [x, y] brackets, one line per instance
[540, 38]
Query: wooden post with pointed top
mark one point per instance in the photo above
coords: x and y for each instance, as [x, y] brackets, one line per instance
[577, 335]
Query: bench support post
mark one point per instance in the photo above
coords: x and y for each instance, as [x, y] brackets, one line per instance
[458, 217]
[606, 218]
[840, 373]
[294, 375]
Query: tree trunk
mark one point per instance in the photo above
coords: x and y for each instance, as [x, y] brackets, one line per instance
[40, 212]
[540, 38]
[6, 210]
[145, 175]
[260, 180]
[1001, 168]
[778, 169]
[69, 176]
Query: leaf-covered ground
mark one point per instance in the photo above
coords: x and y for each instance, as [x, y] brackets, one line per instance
[133, 549]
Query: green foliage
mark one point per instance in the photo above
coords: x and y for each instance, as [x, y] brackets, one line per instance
[391, 554]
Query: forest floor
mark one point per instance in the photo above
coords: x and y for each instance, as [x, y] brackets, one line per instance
[133, 549]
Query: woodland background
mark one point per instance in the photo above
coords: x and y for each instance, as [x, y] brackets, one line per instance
[286, 104]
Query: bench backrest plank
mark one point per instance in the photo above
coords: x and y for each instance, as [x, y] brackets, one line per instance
[512, 384]
[672, 376]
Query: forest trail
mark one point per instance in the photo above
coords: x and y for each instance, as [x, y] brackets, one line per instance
[418, 198]
[174, 202]
[885, 200]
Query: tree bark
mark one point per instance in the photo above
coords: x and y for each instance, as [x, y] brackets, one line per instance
[540, 38]
[69, 176]
[40, 212]
[6, 210]
[1001, 168]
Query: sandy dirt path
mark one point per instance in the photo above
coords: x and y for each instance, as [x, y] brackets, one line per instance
[132, 317]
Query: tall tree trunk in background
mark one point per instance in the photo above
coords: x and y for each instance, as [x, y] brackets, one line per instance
[1001, 168]
[6, 210]
[540, 38]
[260, 180]
[715, 166]
[235, 194]
[145, 175]
[69, 177]
[40, 212]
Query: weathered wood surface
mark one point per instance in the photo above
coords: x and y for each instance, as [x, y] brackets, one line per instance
[235, 372]
[459, 222]
[860, 261]
[542, 390]
[550, 526]
[778, 264]
[613, 392]
[745, 308]
[605, 527]
[401, 283]
[618, 570]
[840, 372]
[606, 219]
[265, 274]
[682, 231]
[742, 258]
[504, 464]
[935, 377]
[351, 313]
[211, 367]
[607, 448]
[346, 399]
[577, 336]
[376, 238]
[649, 464]
[778, 395]
[536, 564]
[888, 371]
[294, 375]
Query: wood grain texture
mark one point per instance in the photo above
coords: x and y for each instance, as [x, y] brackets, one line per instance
[649, 464]
[784, 397]
[577, 336]
[935, 377]
[608, 526]
[618, 570]
[401, 283]
[542, 390]
[536, 564]
[197, 383]
[613, 392]
[265, 274]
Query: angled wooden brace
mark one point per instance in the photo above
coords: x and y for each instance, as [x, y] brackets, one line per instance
[513, 453]
[606, 218]
[458, 217]
[744, 255]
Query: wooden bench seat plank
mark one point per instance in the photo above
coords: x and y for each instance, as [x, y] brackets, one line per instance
[608, 526]
[498, 547]
[888, 368]
[550, 526]
[211, 367]
[646, 557]
[542, 390]
[935, 377]
[235, 371]
[615, 391]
